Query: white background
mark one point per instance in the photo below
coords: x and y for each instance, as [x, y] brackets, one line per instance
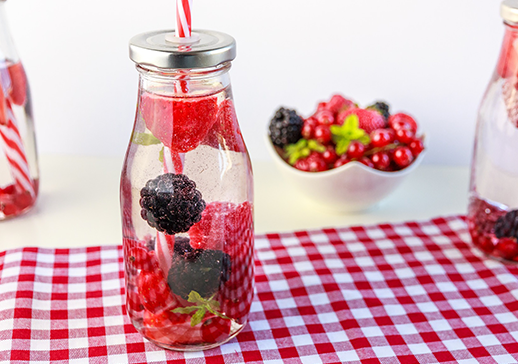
[432, 59]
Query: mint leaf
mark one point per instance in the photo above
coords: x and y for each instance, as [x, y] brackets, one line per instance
[198, 316]
[194, 297]
[185, 310]
[344, 134]
[144, 139]
[302, 149]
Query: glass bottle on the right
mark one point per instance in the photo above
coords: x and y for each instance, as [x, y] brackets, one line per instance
[493, 205]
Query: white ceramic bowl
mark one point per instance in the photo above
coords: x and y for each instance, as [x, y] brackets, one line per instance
[349, 188]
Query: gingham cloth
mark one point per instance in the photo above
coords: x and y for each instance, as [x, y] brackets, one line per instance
[410, 292]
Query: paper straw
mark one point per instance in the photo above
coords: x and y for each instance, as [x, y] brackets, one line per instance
[15, 151]
[183, 18]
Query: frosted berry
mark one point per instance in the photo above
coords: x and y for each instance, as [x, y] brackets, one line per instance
[403, 157]
[322, 134]
[355, 150]
[382, 137]
[285, 127]
[171, 203]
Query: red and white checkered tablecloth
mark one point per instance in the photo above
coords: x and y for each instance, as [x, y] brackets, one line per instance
[410, 292]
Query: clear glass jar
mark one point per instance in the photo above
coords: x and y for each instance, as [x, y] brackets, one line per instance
[19, 174]
[493, 207]
[187, 210]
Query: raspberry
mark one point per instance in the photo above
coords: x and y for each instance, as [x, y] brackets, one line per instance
[153, 290]
[215, 329]
[171, 203]
[179, 123]
[507, 225]
[18, 91]
[370, 120]
[225, 133]
[507, 248]
[285, 127]
[338, 103]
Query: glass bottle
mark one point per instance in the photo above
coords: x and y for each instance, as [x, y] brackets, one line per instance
[187, 196]
[493, 205]
[19, 174]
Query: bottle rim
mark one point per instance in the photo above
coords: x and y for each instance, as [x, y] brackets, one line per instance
[509, 11]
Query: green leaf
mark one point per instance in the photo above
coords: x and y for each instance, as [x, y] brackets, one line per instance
[316, 146]
[198, 316]
[185, 310]
[194, 297]
[344, 134]
[161, 156]
[144, 139]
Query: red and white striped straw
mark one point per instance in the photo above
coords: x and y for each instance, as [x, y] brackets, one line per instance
[183, 18]
[15, 151]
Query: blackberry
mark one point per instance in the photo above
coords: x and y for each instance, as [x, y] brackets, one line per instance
[171, 203]
[382, 107]
[507, 225]
[199, 270]
[285, 127]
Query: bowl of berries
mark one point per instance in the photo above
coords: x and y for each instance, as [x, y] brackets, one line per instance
[344, 157]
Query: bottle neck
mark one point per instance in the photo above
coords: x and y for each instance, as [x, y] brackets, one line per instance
[184, 82]
[508, 61]
[7, 48]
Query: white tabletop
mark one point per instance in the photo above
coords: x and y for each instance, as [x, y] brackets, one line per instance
[79, 203]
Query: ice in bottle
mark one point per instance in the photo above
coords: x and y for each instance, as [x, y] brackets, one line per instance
[187, 196]
[19, 174]
[493, 206]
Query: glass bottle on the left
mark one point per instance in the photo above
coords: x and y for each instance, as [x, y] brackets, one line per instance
[19, 173]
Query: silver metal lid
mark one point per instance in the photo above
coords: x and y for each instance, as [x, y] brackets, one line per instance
[509, 11]
[205, 48]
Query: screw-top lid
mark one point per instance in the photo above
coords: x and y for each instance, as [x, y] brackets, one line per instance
[509, 11]
[205, 48]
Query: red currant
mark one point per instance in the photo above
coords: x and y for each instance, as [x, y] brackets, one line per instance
[381, 160]
[416, 146]
[366, 161]
[355, 150]
[405, 136]
[302, 164]
[402, 121]
[309, 128]
[341, 161]
[322, 134]
[403, 156]
[316, 163]
[486, 243]
[382, 137]
[324, 117]
[330, 156]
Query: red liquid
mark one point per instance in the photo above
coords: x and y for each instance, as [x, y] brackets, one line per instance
[15, 201]
[482, 218]
[152, 301]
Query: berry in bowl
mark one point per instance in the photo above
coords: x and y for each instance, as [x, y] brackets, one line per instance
[344, 157]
